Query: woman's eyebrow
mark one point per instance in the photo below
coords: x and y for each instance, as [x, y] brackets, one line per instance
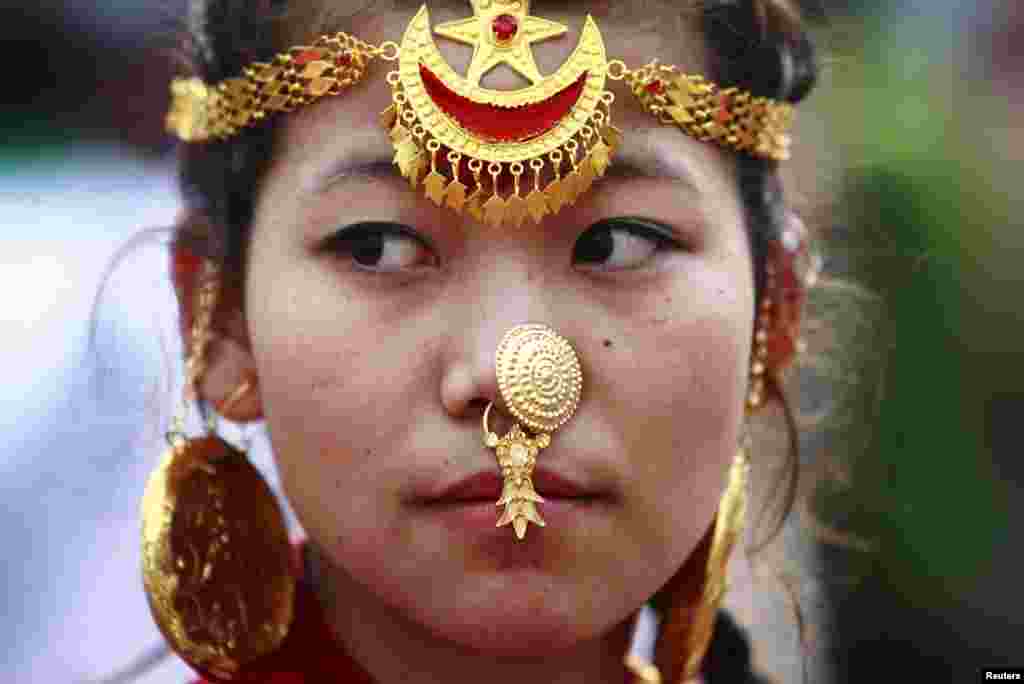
[653, 155]
[349, 166]
[649, 155]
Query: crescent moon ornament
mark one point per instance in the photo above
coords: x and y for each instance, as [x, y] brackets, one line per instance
[554, 127]
[484, 148]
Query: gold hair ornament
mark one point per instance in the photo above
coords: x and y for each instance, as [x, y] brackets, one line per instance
[470, 147]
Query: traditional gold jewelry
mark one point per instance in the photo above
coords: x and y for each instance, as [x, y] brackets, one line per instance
[215, 549]
[790, 272]
[643, 672]
[559, 126]
[540, 381]
[729, 523]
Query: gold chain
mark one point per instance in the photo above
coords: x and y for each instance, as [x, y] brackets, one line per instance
[202, 333]
[292, 79]
[728, 117]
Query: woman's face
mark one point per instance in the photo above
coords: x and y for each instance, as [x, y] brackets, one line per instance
[370, 359]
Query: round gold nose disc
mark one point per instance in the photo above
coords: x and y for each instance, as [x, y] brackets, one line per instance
[539, 376]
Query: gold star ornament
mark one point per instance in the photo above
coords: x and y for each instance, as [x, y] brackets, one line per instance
[501, 32]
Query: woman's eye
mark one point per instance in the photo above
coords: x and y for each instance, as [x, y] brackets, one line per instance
[624, 243]
[380, 247]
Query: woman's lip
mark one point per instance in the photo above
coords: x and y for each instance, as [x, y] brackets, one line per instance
[488, 484]
[477, 521]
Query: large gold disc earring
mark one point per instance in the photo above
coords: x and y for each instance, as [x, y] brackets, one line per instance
[540, 381]
[215, 549]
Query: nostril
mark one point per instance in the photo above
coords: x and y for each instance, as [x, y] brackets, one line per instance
[479, 404]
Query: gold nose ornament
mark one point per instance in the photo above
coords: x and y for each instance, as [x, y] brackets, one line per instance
[540, 381]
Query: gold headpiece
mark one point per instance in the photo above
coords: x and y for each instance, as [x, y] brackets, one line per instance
[450, 134]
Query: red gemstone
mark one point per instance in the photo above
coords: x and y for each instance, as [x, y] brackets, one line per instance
[505, 27]
[656, 87]
[343, 60]
[781, 349]
[724, 115]
[306, 57]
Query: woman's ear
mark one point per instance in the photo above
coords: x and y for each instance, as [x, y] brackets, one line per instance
[228, 356]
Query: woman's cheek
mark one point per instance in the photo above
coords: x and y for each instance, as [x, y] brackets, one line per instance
[687, 403]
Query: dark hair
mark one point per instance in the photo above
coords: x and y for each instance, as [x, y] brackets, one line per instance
[758, 45]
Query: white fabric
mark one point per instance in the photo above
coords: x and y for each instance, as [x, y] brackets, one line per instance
[645, 633]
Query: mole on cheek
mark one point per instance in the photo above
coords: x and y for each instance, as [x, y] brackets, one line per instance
[607, 343]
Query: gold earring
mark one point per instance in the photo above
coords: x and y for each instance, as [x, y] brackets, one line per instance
[689, 602]
[540, 381]
[791, 270]
[729, 524]
[759, 358]
[215, 550]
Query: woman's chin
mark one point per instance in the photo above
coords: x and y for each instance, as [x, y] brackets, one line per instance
[516, 634]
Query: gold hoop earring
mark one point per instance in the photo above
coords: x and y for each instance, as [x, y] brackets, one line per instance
[690, 600]
[215, 549]
[730, 522]
[540, 381]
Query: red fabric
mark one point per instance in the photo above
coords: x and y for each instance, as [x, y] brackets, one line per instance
[309, 654]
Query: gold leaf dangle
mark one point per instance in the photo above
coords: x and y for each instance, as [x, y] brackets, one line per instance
[570, 187]
[474, 203]
[535, 201]
[554, 195]
[586, 175]
[515, 209]
[537, 205]
[553, 191]
[388, 117]
[397, 130]
[613, 136]
[416, 169]
[473, 206]
[571, 183]
[515, 206]
[399, 133]
[405, 152]
[434, 183]
[455, 193]
[494, 208]
[418, 163]
[599, 157]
